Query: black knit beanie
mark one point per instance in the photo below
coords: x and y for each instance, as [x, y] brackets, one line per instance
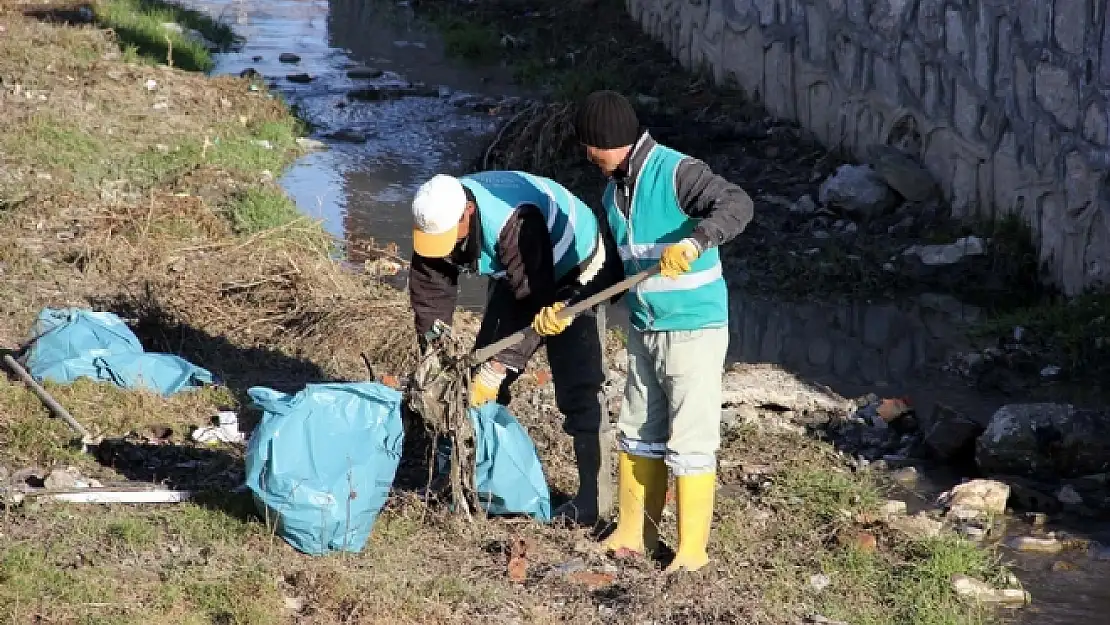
[606, 120]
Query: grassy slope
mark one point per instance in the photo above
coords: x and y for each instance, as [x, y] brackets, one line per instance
[159, 214]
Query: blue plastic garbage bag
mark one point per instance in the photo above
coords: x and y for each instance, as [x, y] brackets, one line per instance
[322, 461]
[164, 373]
[508, 474]
[72, 343]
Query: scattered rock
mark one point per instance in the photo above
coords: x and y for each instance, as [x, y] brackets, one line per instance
[1068, 496]
[769, 386]
[1028, 494]
[348, 135]
[733, 417]
[59, 479]
[973, 589]
[1062, 565]
[805, 205]
[364, 73]
[289, 57]
[976, 498]
[819, 582]
[947, 254]
[860, 540]
[250, 73]
[70, 477]
[299, 78]
[973, 532]
[897, 413]
[917, 526]
[1031, 544]
[311, 144]
[906, 476]
[902, 173]
[1051, 372]
[859, 190]
[951, 435]
[293, 604]
[1045, 440]
[892, 508]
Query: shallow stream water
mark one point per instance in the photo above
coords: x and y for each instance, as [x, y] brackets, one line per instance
[361, 189]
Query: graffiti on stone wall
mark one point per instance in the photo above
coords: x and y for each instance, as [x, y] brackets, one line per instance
[1007, 102]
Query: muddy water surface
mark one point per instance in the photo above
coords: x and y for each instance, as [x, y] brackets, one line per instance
[361, 185]
[378, 151]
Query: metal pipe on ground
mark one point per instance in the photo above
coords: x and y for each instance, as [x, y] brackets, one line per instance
[52, 404]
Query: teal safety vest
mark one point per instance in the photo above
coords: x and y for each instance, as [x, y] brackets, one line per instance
[695, 300]
[571, 224]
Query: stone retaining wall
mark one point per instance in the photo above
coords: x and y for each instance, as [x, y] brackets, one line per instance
[1004, 101]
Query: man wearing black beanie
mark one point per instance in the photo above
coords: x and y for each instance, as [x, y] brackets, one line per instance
[668, 208]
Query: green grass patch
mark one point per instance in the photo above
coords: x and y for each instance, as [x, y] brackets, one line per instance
[1077, 331]
[827, 496]
[904, 580]
[913, 585]
[469, 40]
[262, 209]
[268, 146]
[164, 32]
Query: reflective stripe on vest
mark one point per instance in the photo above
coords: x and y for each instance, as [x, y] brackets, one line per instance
[693, 300]
[571, 224]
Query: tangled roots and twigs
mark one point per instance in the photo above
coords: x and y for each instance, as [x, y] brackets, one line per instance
[438, 394]
[537, 139]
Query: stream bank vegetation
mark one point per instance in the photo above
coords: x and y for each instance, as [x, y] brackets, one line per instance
[130, 186]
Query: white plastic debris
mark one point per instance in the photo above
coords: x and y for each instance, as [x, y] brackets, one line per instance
[226, 430]
[125, 496]
[949, 254]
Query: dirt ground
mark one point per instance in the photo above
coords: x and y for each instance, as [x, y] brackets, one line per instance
[130, 186]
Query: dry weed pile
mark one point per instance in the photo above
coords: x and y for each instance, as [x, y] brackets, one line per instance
[537, 139]
[119, 195]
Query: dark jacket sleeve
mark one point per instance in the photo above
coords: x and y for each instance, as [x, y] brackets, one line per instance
[433, 291]
[524, 247]
[723, 207]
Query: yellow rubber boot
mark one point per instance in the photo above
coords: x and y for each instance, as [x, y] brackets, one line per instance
[694, 495]
[642, 491]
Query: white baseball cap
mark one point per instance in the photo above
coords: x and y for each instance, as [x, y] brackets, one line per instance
[437, 208]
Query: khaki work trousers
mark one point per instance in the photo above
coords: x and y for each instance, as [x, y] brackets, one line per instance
[672, 400]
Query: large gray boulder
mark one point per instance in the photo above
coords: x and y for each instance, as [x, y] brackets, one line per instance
[1045, 440]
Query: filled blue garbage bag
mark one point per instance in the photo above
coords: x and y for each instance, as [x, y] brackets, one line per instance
[508, 475]
[71, 343]
[321, 462]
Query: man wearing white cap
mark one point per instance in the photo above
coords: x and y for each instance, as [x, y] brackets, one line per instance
[541, 246]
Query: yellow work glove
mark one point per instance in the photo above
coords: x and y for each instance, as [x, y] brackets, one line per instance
[676, 258]
[485, 385]
[547, 321]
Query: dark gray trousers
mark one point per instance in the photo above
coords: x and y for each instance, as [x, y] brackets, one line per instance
[577, 358]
